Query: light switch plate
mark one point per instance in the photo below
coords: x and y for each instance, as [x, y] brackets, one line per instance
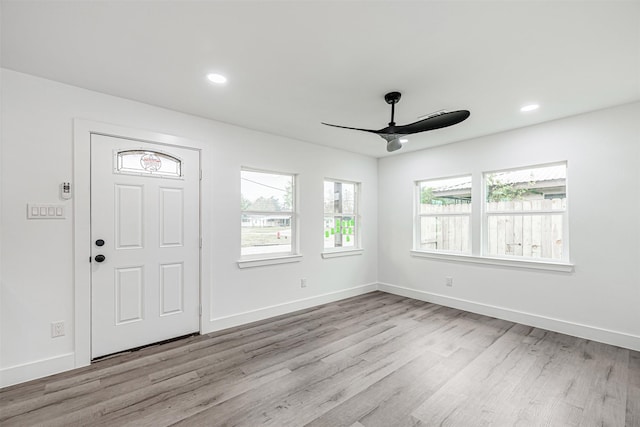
[46, 211]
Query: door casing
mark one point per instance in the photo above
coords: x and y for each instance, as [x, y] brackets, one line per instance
[82, 224]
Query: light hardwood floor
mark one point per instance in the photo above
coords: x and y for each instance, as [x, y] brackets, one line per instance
[373, 360]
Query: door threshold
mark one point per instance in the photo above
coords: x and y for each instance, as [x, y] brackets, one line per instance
[133, 350]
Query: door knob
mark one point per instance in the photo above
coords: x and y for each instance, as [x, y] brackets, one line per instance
[99, 242]
[99, 258]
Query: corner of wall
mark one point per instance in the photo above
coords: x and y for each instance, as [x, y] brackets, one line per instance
[606, 336]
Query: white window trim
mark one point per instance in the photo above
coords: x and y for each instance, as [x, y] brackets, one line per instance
[260, 262]
[257, 260]
[478, 218]
[527, 263]
[356, 249]
[340, 253]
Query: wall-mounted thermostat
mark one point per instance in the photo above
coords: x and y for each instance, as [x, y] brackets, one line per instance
[65, 190]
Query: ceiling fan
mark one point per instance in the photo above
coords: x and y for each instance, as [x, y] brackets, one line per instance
[393, 133]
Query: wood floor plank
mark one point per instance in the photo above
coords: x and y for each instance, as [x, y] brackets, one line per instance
[607, 401]
[35, 403]
[485, 379]
[552, 387]
[632, 415]
[166, 409]
[250, 408]
[115, 384]
[92, 410]
[312, 398]
[389, 401]
[134, 360]
[367, 361]
[175, 400]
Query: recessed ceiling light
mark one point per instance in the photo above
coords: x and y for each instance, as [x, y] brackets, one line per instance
[403, 140]
[529, 107]
[217, 78]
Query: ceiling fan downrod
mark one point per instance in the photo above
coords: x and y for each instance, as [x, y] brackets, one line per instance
[392, 98]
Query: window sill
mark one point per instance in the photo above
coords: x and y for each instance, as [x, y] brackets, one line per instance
[337, 254]
[260, 262]
[504, 262]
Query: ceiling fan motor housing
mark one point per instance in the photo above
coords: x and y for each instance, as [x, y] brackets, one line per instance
[392, 97]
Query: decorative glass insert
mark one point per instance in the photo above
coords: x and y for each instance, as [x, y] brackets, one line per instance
[148, 163]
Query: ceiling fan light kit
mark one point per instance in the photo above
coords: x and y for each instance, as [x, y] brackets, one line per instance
[393, 133]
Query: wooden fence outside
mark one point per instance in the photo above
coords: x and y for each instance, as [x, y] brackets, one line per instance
[512, 229]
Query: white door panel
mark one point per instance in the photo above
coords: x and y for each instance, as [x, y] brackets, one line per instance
[147, 288]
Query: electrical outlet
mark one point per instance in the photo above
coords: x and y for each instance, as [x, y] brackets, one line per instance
[303, 283]
[57, 329]
[448, 281]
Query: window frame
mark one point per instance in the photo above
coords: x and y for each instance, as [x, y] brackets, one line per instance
[478, 229]
[356, 249]
[417, 222]
[267, 258]
[485, 214]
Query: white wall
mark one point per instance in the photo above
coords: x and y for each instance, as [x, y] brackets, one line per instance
[37, 256]
[601, 299]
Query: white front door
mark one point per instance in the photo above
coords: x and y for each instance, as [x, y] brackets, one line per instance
[145, 243]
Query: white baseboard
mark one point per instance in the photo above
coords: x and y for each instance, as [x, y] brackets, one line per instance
[238, 319]
[38, 369]
[65, 362]
[593, 333]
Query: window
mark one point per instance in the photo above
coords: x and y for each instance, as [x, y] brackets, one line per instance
[519, 215]
[341, 220]
[268, 213]
[525, 212]
[444, 215]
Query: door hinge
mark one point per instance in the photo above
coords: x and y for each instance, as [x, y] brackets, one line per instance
[200, 174]
[201, 243]
[200, 309]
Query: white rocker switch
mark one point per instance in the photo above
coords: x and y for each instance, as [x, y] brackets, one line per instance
[45, 211]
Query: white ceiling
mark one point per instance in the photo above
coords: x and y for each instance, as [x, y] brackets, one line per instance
[292, 65]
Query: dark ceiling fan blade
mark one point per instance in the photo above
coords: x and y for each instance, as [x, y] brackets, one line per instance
[347, 127]
[393, 132]
[441, 120]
